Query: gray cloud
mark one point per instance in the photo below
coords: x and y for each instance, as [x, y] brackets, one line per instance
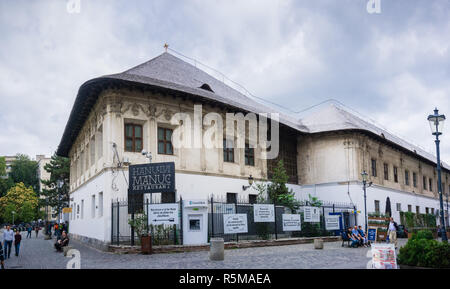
[392, 67]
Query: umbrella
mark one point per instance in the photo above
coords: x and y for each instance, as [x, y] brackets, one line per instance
[388, 207]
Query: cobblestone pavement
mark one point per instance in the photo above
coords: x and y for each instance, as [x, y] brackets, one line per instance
[40, 254]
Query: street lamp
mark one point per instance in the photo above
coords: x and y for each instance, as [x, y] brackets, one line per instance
[436, 121]
[250, 182]
[364, 179]
[13, 212]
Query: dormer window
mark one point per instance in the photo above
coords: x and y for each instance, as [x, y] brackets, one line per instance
[206, 87]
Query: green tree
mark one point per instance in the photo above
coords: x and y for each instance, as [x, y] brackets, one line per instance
[278, 192]
[24, 170]
[21, 200]
[56, 189]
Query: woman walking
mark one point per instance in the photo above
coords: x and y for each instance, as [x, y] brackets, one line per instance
[36, 229]
[17, 240]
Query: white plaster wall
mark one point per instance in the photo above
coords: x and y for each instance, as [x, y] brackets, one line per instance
[338, 192]
[87, 226]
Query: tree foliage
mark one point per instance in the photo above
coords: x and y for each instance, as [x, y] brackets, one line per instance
[59, 169]
[21, 200]
[24, 170]
[277, 191]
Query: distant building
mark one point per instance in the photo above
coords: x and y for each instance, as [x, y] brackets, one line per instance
[8, 161]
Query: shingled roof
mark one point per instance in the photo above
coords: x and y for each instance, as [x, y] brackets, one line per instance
[173, 74]
[333, 117]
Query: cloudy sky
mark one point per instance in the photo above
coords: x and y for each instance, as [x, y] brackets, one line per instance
[392, 67]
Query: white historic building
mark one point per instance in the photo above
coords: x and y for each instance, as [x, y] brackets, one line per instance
[117, 116]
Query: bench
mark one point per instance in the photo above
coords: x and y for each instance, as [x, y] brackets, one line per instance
[345, 238]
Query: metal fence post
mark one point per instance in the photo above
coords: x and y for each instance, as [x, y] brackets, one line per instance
[112, 222]
[212, 216]
[275, 212]
[236, 211]
[148, 224]
[132, 218]
[181, 221]
[118, 223]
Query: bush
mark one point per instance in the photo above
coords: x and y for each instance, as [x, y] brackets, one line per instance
[425, 253]
[422, 235]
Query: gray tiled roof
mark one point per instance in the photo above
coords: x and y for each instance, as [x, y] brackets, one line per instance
[333, 118]
[170, 72]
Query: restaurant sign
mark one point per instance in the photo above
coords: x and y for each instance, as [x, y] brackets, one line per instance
[152, 178]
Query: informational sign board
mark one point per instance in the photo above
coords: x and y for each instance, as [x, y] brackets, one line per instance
[291, 222]
[332, 223]
[311, 214]
[264, 213]
[163, 214]
[67, 210]
[384, 256]
[152, 178]
[372, 234]
[235, 223]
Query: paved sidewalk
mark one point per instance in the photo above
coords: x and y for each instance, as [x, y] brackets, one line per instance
[40, 254]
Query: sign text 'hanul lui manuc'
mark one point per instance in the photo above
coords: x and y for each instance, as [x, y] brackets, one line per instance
[152, 178]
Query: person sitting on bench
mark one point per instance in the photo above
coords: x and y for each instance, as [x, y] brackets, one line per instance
[64, 241]
[358, 236]
[351, 236]
[363, 235]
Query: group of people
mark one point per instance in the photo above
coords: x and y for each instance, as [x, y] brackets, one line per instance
[60, 232]
[14, 237]
[358, 237]
[10, 237]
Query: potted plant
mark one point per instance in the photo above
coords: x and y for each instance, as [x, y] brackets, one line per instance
[381, 234]
[140, 226]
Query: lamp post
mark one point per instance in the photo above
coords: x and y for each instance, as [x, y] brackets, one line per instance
[13, 212]
[364, 179]
[436, 124]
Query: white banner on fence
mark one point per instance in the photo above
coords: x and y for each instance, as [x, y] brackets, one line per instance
[292, 222]
[235, 223]
[163, 214]
[332, 223]
[312, 214]
[264, 213]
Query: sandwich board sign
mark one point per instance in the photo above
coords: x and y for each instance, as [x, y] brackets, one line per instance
[163, 214]
[264, 213]
[383, 256]
[372, 234]
[235, 223]
[311, 214]
[291, 222]
[332, 223]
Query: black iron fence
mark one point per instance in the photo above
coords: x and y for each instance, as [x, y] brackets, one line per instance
[122, 211]
[122, 233]
[218, 207]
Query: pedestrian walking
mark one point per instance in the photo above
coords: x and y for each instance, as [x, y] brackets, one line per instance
[17, 240]
[8, 237]
[36, 229]
[392, 232]
[29, 229]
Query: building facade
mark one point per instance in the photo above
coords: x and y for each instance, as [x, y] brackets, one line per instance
[116, 117]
